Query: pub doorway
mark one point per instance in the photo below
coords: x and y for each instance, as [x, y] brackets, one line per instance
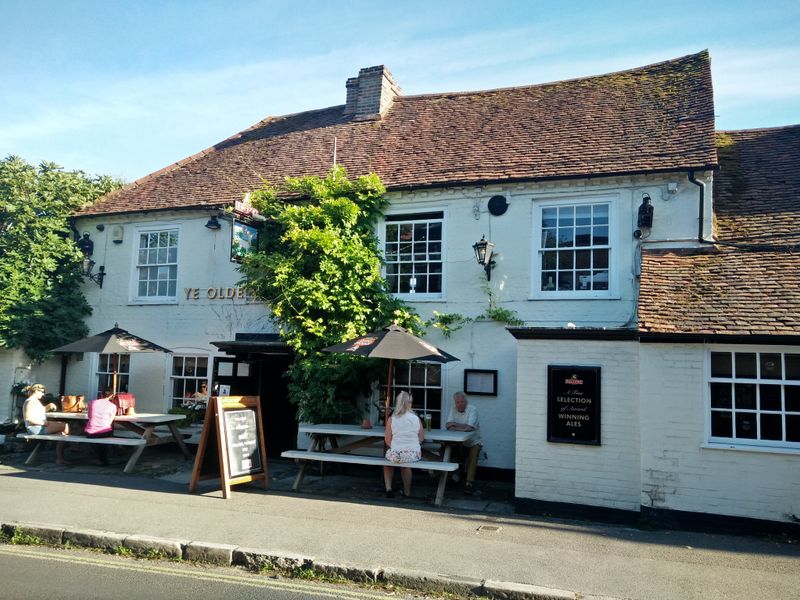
[255, 370]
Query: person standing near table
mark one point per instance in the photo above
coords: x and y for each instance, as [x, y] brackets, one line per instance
[34, 414]
[464, 417]
[403, 436]
[101, 424]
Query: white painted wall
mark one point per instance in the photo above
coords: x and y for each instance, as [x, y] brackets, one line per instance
[189, 325]
[184, 326]
[605, 475]
[678, 472]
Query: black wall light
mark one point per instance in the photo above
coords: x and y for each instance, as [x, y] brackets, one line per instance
[86, 246]
[483, 253]
[88, 267]
[213, 224]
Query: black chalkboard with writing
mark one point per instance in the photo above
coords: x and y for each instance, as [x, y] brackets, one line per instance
[243, 447]
[231, 444]
[573, 404]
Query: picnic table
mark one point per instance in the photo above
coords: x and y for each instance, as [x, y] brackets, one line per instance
[325, 447]
[140, 429]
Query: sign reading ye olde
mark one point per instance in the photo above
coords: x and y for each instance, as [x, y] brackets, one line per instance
[573, 405]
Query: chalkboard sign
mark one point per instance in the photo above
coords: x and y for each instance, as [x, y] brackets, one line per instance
[231, 444]
[573, 405]
[242, 430]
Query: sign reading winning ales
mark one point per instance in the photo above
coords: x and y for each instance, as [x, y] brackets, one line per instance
[573, 405]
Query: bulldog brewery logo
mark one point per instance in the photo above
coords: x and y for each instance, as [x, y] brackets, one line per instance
[573, 380]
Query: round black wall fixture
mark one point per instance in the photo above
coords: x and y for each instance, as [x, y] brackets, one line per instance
[498, 205]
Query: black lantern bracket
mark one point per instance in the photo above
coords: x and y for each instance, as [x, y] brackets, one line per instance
[484, 251]
[88, 268]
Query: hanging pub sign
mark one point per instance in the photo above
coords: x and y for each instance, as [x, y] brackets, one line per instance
[573, 405]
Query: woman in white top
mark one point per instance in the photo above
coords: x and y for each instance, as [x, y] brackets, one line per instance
[35, 415]
[403, 437]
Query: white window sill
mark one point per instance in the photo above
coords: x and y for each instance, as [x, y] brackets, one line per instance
[748, 448]
[153, 302]
[574, 296]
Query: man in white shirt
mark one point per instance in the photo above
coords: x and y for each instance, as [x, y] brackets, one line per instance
[464, 417]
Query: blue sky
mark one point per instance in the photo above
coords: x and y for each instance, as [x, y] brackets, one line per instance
[126, 87]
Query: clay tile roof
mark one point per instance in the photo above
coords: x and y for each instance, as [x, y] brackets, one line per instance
[653, 118]
[750, 282]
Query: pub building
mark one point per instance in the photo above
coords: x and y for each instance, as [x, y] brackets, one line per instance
[647, 265]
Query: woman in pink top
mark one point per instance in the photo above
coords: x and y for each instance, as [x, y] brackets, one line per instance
[101, 424]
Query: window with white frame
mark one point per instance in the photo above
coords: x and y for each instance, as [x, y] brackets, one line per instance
[424, 382]
[189, 379]
[754, 398]
[157, 264]
[107, 364]
[573, 248]
[413, 253]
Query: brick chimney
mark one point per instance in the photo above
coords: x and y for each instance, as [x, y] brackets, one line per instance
[371, 94]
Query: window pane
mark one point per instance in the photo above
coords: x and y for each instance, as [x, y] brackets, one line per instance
[565, 237]
[721, 424]
[392, 233]
[721, 364]
[565, 259]
[771, 366]
[792, 394]
[771, 427]
[600, 259]
[600, 213]
[549, 238]
[548, 281]
[745, 365]
[583, 236]
[583, 259]
[721, 395]
[417, 374]
[549, 217]
[565, 281]
[549, 260]
[600, 236]
[746, 425]
[584, 280]
[770, 397]
[792, 366]
[745, 395]
[793, 428]
[566, 216]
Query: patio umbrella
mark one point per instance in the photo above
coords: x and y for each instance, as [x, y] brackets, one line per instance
[395, 343]
[114, 341]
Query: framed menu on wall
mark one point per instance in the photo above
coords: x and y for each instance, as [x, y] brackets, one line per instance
[573, 404]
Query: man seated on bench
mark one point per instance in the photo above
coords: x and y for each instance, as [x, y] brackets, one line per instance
[35, 415]
[101, 424]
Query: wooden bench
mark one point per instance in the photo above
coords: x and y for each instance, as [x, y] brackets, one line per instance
[40, 438]
[377, 461]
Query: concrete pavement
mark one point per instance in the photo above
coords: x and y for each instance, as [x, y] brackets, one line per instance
[343, 523]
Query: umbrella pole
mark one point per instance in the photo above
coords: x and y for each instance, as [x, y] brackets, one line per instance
[388, 391]
[114, 377]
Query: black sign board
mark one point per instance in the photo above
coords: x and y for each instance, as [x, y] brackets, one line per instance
[243, 455]
[573, 405]
[231, 444]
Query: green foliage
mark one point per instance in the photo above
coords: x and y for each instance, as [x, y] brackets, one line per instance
[320, 272]
[447, 323]
[497, 313]
[19, 538]
[42, 305]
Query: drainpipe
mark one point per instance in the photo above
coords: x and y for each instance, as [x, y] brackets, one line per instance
[702, 209]
[71, 221]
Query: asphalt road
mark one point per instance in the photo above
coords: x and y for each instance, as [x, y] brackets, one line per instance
[36, 572]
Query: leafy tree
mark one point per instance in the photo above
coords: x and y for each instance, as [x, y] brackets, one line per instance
[319, 270]
[41, 304]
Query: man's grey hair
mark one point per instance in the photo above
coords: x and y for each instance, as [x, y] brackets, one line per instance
[460, 395]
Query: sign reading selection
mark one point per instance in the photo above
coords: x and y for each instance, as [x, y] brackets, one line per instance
[573, 405]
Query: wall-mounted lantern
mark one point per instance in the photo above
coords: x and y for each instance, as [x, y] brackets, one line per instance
[483, 253]
[86, 246]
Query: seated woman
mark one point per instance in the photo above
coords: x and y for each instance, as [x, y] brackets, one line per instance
[34, 414]
[101, 423]
[403, 436]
